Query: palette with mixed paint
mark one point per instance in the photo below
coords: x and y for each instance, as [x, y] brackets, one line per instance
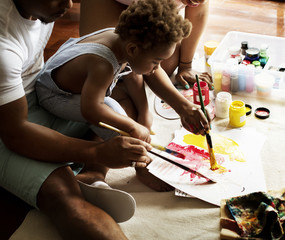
[167, 112]
[240, 172]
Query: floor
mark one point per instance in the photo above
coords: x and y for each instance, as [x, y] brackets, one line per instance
[225, 15]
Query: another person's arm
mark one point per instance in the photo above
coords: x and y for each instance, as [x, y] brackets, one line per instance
[44, 144]
[99, 14]
[198, 17]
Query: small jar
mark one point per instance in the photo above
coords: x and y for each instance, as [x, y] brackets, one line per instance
[252, 54]
[234, 52]
[222, 103]
[204, 91]
[209, 48]
[244, 47]
[237, 113]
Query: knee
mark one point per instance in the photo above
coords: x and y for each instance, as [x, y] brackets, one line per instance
[58, 190]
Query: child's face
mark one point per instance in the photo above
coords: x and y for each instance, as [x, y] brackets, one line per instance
[147, 61]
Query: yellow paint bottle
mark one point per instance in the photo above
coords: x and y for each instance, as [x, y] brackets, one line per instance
[237, 114]
[209, 48]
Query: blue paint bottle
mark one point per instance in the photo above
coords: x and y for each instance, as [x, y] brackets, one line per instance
[242, 77]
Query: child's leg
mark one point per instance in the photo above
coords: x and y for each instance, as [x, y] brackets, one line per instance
[67, 106]
[131, 95]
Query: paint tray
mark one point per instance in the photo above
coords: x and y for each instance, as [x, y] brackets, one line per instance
[274, 65]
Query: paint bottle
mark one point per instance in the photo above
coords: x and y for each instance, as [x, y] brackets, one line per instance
[241, 77]
[217, 77]
[234, 78]
[252, 54]
[204, 91]
[234, 52]
[263, 57]
[244, 47]
[250, 72]
[226, 77]
[222, 103]
[237, 113]
[209, 48]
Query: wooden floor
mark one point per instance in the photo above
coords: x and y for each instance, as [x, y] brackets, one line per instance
[253, 16]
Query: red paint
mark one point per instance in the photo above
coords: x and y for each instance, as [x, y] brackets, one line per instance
[262, 113]
[204, 91]
[195, 158]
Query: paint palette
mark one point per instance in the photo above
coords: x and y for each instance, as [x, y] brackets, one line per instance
[167, 112]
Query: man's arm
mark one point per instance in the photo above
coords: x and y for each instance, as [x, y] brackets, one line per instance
[36, 141]
[44, 144]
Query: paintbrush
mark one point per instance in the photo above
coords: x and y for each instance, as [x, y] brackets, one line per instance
[182, 166]
[159, 147]
[123, 133]
[213, 161]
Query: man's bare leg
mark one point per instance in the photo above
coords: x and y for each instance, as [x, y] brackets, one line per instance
[61, 200]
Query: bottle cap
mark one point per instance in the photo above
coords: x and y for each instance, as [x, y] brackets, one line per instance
[234, 50]
[244, 44]
[262, 113]
[256, 63]
[252, 52]
[248, 109]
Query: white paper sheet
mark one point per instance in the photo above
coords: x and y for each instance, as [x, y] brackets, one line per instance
[242, 177]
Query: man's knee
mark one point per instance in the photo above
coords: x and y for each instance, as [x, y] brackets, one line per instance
[59, 188]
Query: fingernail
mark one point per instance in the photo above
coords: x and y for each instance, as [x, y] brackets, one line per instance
[212, 87]
[187, 86]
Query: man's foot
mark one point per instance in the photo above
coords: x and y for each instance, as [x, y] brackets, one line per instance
[152, 181]
[118, 204]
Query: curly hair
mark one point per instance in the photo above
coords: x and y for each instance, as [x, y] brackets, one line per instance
[151, 23]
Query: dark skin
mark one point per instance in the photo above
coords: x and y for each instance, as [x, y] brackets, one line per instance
[72, 215]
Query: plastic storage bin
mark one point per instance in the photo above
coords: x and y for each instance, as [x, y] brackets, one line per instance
[242, 77]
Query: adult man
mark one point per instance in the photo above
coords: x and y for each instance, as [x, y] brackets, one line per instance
[38, 150]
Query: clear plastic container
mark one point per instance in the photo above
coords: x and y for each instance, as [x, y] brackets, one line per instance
[274, 59]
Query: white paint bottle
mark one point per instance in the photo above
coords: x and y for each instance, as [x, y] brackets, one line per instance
[223, 102]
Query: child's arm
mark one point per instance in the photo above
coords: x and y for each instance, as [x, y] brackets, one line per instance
[94, 110]
[134, 84]
[192, 117]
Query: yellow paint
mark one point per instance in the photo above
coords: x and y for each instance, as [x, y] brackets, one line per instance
[221, 144]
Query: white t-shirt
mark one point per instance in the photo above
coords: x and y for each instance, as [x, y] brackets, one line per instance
[22, 42]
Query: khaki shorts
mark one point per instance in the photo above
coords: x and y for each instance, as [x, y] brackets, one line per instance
[23, 176]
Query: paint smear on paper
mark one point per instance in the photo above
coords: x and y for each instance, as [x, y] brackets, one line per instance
[221, 144]
[197, 158]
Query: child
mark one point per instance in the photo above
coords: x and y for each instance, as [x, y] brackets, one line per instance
[77, 82]
[97, 14]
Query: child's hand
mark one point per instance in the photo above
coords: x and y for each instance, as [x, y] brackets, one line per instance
[141, 132]
[194, 120]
